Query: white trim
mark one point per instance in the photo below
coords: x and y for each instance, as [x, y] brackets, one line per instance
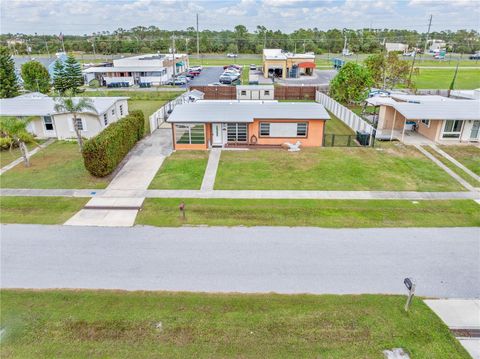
[429, 122]
[451, 138]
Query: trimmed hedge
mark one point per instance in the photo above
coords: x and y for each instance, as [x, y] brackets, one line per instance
[103, 153]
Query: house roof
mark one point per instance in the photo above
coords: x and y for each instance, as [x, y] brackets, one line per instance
[102, 69]
[207, 112]
[255, 87]
[279, 54]
[420, 98]
[444, 110]
[44, 106]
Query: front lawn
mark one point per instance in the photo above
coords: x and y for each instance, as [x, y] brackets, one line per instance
[163, 212]
[469, 156]
[388, 167]
[467, 79]
[116, 324]
[182, 170]
[60, 165]
[39, 210]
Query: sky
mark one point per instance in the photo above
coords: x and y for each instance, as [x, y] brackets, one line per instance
[86, 16]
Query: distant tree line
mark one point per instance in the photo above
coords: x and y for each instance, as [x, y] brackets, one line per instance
[142, 39]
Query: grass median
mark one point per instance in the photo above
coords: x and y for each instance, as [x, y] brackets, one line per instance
[469, 156]
[39, 210]
[79, 324]
[163, 212]
[387, 167]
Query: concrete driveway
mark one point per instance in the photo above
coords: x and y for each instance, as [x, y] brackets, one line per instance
[443, 261]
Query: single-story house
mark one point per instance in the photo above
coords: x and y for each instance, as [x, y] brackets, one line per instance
[279, 63]
[205, 124]
[396, 46]
[48, 62]
[428, 117]
[48, 123]
[255, 92]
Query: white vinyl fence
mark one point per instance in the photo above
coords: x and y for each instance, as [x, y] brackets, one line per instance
[347, 116]
[159, 116]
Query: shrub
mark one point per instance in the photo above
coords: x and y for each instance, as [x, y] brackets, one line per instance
[5, 143]
[103, 153]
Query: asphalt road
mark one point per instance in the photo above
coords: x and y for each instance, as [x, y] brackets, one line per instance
[207, 76]
[444, 262]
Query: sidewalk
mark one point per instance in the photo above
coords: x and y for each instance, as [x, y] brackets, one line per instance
[211, 170]
[240, 194]
[119, 203]
[462, 316]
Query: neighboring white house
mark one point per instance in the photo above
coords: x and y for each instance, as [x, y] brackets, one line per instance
[153, 69]
[255, 92]
[396, 46]
[48, 123]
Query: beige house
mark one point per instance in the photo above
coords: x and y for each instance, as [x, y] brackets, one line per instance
[279, 63]
[48, 123]
[427, 119]
[255, 92]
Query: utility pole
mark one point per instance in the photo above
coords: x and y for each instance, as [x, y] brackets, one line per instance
[264, 39]
[428, 33]
[452, 85]
[46, 45]
[173, 60]
[198, 41]
[411, 69]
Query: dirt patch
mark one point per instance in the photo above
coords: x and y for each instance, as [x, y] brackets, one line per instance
[110, 330]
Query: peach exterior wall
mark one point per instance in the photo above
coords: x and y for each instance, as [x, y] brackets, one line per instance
[431, 132]
[314, 134]
[389, 115]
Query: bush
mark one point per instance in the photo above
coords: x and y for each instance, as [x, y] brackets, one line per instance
[103, 153]
[5, 143]
[94, 83]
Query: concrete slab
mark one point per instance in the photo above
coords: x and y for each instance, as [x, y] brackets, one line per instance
[115, 202]
[472, 346]
[103, 218]
[457, 313]
[211, 170]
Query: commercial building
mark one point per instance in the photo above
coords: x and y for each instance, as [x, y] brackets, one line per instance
[279, 63]
[49, 123]
[151, 69]
[202, 125]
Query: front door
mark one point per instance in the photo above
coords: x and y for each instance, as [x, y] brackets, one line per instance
[475, 130]
[217, 136]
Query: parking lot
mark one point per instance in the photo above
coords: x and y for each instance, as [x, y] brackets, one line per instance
[207, 76]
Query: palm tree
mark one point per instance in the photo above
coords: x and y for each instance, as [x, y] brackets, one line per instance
[16, 129]
[69, 104]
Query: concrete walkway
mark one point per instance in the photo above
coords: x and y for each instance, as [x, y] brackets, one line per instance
[211, 170]
[240, 194]
[455, 162]
[452, 174]
[30, 154]
[463, 317]
[118, 205]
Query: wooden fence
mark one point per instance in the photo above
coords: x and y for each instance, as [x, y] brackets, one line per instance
[217, 92]
[281, 92]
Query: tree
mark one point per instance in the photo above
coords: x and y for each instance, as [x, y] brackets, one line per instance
[73, 105]
[388, 70]
[16, 129]
[59, 77]
[35, 77]
[351, 84]
[8, 79]
[73, 74]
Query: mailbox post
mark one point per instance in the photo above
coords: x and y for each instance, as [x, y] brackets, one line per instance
[410, 284]
[181, 207]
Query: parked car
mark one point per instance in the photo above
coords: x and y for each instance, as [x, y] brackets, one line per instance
[237, 67]
[187, 79]
[194, 72]
[232, 55]
[475, 56]
[195, 68]
[227, 80]
[231, 75]
[378, 92]
[253, 67]
[178, 82]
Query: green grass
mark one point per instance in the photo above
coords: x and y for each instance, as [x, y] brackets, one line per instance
[7, 156]
[182, 170]
[39, 210]
[453, 167]
[60, 165]
[467, 79]
[245, 75]
[163, 212]
[135, 95]
[336, 126]
[113, 324]
[469, 156]
[390, 167]
[148, 107]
